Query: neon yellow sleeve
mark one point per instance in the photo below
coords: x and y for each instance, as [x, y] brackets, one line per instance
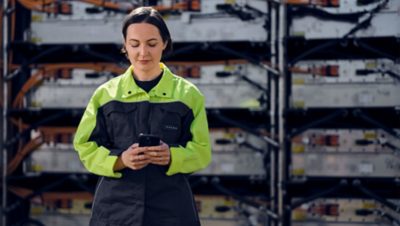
[95, 158]
[196, 155]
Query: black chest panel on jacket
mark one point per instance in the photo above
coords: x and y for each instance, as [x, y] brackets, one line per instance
[125, 121]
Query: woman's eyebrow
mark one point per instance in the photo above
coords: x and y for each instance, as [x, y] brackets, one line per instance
[135, 40]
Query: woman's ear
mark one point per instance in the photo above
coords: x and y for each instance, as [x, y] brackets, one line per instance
[165, 45]
[123, 50]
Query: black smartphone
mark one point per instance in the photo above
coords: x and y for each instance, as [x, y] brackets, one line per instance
[146, 140]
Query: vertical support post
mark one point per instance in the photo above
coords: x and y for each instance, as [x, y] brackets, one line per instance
[4, 111]
[282, 92]
[273, 105]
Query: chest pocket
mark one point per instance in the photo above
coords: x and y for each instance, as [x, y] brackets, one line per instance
[171, 124]
[120, 121]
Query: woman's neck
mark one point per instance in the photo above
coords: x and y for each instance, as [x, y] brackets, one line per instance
[147, 75]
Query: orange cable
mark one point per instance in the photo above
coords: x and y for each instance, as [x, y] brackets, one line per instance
[39, 76]
[32, 82]
[25, 150]
[20, 191]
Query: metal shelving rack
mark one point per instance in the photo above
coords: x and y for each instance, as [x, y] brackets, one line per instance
[294, 193]
[277, 101]
[3, 132]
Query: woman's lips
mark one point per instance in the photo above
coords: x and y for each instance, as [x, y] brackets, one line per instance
[144, 61]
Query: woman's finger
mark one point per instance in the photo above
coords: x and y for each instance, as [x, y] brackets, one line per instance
[139, 150]
[162, 160]
[161, 147]
[139, 164]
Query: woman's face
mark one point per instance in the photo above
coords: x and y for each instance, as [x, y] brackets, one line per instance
[144, 46]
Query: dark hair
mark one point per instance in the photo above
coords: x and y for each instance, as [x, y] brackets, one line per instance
[150, 16]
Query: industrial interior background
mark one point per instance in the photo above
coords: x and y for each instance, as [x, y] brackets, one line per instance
[302, 99]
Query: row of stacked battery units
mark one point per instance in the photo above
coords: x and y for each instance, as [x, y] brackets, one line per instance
[354, 154]
[74, 209]
[236, 152]
[230, 84]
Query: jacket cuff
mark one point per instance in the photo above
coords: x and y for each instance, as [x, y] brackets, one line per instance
[177, 157]
[109, 164]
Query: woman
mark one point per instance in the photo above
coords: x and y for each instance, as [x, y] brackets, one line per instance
[144, 186]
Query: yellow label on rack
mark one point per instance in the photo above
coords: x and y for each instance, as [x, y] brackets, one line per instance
[370, 135]
[229, 68]
[298, 172]
[36, 40]
[37, 168]
[36, 104]
[299, 104]
[299, 215]
[298, 148]
[230, 2]
[298, 81]
[371, 64]
[369, 205]
[36, 209]
[37, 18]
[229, 136]
[250, 103]
[298, 33]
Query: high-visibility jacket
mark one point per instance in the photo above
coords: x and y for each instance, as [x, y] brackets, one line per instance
[116, 114]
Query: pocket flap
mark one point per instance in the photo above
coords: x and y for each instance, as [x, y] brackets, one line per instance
[119, 107]
[176, 107]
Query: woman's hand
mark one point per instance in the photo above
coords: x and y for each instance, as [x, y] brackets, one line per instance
[133, 158]
[159, 155]
[136, 157]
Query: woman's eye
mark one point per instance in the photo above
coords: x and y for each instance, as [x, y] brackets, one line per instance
[152, 44]
[134, 46]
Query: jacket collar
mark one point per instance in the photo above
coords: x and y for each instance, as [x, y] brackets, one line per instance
[164, 87]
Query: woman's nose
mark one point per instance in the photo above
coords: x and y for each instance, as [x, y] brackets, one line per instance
[143, 50]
